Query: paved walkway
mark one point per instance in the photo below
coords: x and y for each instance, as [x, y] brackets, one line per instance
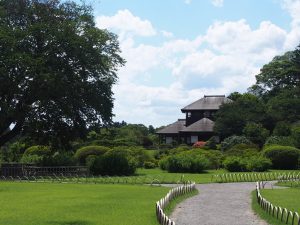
[218, 204]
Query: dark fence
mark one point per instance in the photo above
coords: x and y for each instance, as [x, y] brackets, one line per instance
[20, 170]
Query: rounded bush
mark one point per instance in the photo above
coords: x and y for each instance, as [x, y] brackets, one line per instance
[114, 162]
[243, 150]
[234, 164]
[82, 153]
[39, 150]
[186, 162]
[279, 140]
[258, 164]
[283, 157]
[234, 140]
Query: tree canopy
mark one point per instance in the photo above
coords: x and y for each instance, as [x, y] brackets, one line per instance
[274, 99]
[56, 70]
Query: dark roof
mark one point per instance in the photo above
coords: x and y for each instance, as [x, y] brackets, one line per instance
[173, 128]
[208, 102]
[203, 125]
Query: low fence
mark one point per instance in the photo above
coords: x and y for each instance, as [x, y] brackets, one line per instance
[61, 178]
[20, 169]
[253, 177]
[162, 218]
[282, 214]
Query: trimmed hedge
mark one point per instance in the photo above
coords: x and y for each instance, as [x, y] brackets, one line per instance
[283, 157]
[39, 150]
[114, 162]
[82, 153]
[185, 162]
[239, 164]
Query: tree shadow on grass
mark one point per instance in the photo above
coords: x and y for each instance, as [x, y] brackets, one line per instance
[71, 222]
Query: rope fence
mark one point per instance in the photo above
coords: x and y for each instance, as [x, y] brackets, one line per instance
[162, 218]
[282, 214]
[253, 177]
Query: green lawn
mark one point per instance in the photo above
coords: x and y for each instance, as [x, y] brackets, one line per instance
[78, 204]
[285, 198]
[202, 178]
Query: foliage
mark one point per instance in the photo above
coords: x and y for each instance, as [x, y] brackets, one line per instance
[279, 140]
[59, 71]
[212, 143]
[82, 153]
[258, 164]
[282, 157]
[282, 128]
[12, 152]
[256, 133]
[233, 140]
[234, 164]
[199, 144]
[296, 136]
[233, 117]
[149, 165]
[188, 161]
[114, 162]
[242, 150]
[239, 164]
[39, 150]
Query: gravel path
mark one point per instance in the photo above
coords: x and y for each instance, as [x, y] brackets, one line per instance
[218, 204]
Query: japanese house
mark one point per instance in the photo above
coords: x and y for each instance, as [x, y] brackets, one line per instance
[198, 123]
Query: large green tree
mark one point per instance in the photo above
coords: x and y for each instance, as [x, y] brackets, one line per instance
[56, 70]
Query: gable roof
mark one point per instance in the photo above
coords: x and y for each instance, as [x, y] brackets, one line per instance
[173, 128]
[203, 125]
[208, 102]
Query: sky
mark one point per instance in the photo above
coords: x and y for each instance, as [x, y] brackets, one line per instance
[177, 51]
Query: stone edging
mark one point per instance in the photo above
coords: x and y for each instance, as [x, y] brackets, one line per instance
[282, 214]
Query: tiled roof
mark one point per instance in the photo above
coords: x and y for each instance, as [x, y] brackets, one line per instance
[208, 102]
[203, 125]
[173, 128]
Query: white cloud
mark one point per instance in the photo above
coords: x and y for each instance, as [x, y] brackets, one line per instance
[167, 34]
[224, 59]
[217, 3]
[125, 21]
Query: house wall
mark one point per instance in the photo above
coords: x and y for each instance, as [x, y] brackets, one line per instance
[195, 115]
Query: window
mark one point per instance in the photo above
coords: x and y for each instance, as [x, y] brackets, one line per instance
[194, 139]
[169, 140]
[189, 114]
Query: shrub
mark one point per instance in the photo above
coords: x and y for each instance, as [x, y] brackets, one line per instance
[234, 164]
[258, 164]
[139, 153]
[212, 143]
[282, 157]
[199, 144]
[34, 159]
[282, 129]
[118, 162]
[39, 150]
[185, 162]
[279, 140]
[149, 165]
[82, 153]
[296, 136]
[234, 140]
[243, 150]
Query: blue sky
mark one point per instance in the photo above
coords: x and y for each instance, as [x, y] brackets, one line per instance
[179, 50]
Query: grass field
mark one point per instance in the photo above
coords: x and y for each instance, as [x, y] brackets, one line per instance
[78, 204]
[285, 198]
[202, 178]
